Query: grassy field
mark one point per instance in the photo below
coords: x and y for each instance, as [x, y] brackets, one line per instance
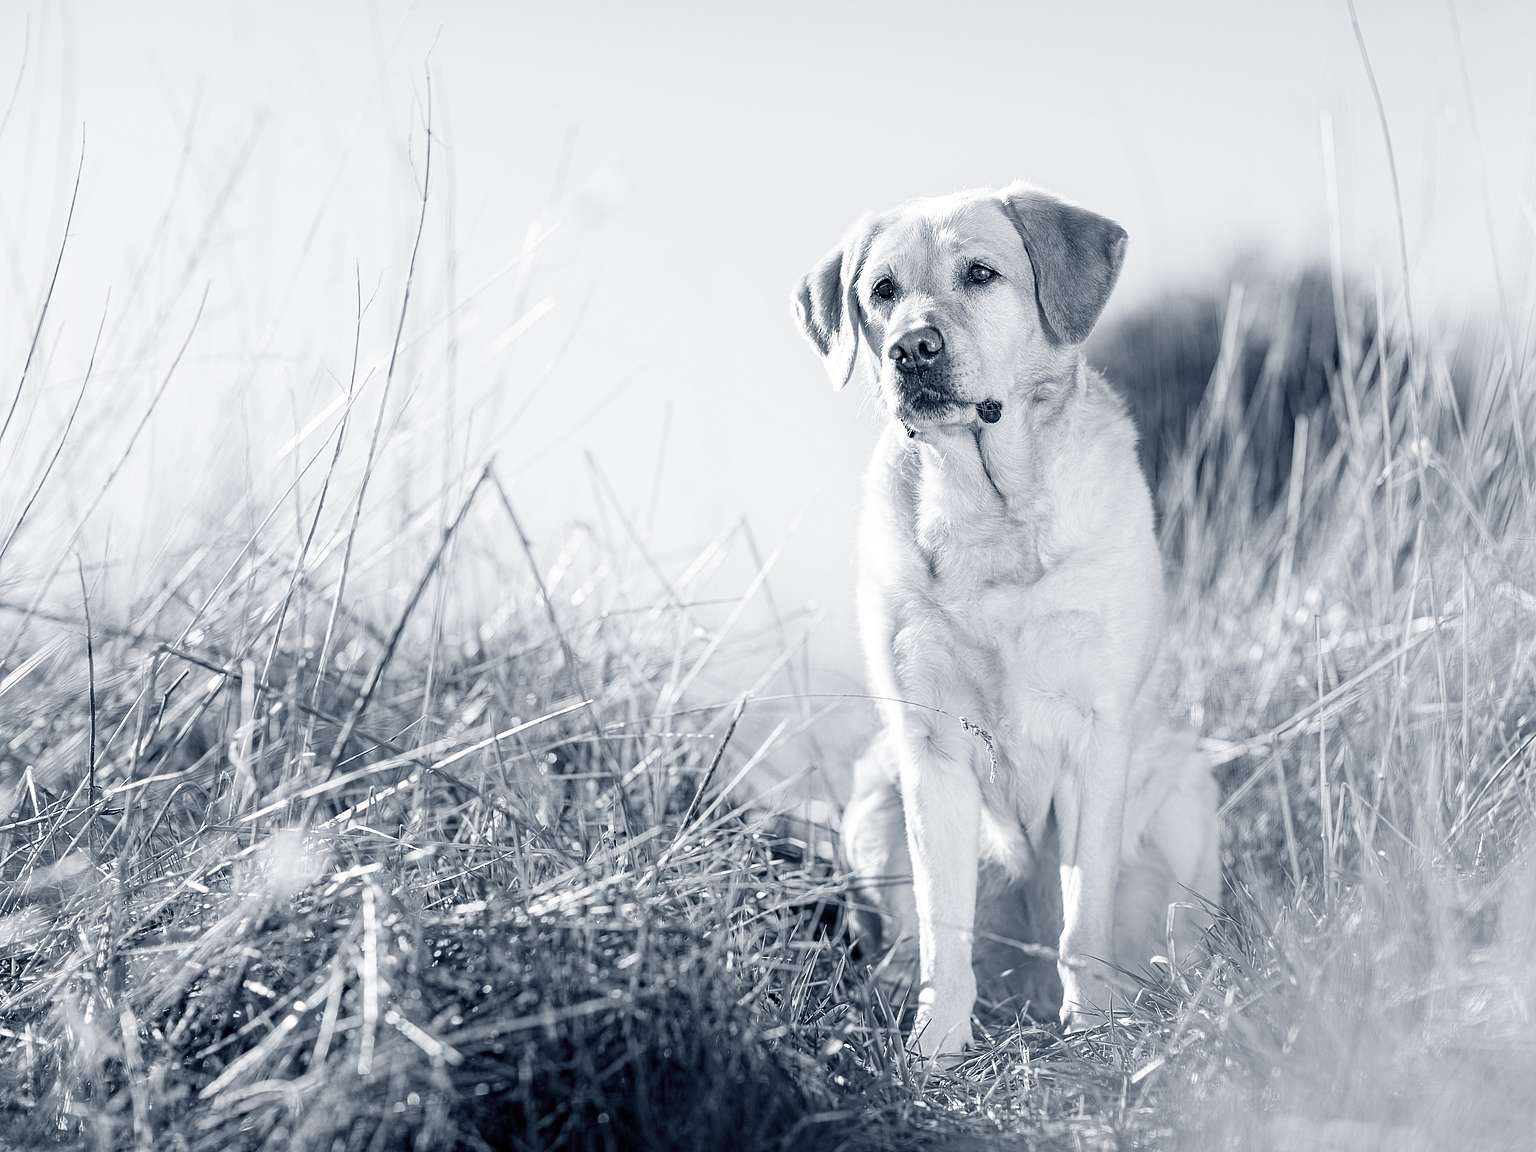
[286, 866]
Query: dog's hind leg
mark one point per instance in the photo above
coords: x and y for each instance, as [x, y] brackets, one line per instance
[882, 909]
[1175, 869]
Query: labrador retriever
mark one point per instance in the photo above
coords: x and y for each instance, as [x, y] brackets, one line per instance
[1011, 607]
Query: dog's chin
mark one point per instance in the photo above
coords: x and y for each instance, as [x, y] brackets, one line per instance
[935, 419]
[929, 407]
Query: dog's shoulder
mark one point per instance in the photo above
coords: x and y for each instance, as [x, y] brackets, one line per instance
[1105, 417]
[1097, 473]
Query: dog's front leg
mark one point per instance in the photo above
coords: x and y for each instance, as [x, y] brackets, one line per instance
[943, 808]
[1090, 817]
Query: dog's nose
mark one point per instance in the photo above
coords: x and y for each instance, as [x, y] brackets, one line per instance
[916, 349]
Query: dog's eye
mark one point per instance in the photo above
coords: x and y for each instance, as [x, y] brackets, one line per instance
[885, 288]
[979, 274]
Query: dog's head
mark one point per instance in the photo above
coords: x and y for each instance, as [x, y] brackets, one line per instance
[951, 302]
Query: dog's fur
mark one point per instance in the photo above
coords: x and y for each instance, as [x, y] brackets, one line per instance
[1008, 574]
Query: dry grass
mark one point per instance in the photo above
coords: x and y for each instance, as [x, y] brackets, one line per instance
[282, 867]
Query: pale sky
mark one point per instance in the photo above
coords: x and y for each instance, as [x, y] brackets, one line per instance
[687, 163]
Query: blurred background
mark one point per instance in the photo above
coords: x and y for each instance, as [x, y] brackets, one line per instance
[621, 200]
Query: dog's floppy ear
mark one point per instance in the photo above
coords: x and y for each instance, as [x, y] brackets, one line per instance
[1076, 256]
[828, 309]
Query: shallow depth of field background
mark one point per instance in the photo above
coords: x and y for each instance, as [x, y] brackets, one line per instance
[624, 196]
[331, 819]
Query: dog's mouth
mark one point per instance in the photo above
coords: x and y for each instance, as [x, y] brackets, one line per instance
[933, 407]
[929, 402]
[926, 398]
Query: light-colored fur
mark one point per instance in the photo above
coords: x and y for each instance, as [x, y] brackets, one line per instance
[1009, 574]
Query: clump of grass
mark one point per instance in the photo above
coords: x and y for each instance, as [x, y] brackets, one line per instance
[1362, 650]
[238, 928]
[284, 864]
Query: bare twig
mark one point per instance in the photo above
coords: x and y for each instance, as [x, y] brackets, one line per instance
[371, 685]
[21, 71]
[325, 486]
[1386, 136]
[90, 679]
[107, 484]
[573, 667]
[42, 315]
[378, 423]
[58, 448]
[704, 782]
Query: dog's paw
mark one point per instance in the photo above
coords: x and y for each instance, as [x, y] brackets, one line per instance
[939, 1038]
[1081, 1018]
[1086, 1000]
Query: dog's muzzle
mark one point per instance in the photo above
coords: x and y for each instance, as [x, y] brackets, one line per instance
[925, 393]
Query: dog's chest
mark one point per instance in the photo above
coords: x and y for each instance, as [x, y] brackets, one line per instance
[981, 552]
[981, 564]
[993, 606]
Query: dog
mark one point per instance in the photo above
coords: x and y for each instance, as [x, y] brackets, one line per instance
[1011, 612]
